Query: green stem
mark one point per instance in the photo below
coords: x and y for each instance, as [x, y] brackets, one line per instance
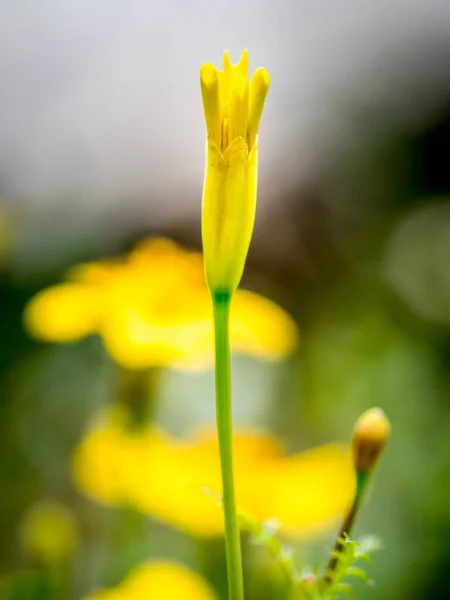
[347, 525]
[221, 304]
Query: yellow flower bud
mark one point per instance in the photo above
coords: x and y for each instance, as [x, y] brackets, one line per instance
[370, 436]
[233, 109]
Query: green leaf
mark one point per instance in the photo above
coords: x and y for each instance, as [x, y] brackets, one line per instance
[359, 573]
[345, 588]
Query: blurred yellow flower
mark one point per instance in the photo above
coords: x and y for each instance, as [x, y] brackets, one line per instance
[48, 533]
[233, 108]
[169, 478]
[159, 580]
[102, 459]
[152, 308]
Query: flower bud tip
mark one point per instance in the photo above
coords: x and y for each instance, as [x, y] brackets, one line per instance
[370, 436]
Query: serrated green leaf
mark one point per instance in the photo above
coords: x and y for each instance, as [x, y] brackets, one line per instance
[345, 588]
[359, 573]
[363, 556]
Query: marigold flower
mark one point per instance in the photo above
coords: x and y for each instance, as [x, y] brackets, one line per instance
[169, 478]
[233, 109]
[152, 308]
[162, 580]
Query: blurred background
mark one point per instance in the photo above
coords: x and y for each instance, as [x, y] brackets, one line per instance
[102, 144]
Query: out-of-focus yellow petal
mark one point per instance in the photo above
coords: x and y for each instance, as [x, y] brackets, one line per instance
[98, 273]
[261, 328]
[98, 464]
[159, 580]
[305, 492]
[190, 469]
[250, 446]
[153, 308]
[166, 580]
[170, 479]
[166, 262]
[105, 457]
[63, 313]
[137, 343]
[258, 327]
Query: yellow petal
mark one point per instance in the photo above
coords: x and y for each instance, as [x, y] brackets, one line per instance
[250, 445]
[238, 110]
[242, 67]
[136, 342]
[63, 313]
[258, 328]
[165, 580]
[153, 308]
[305, 492]
[259, 86]
[226, 79]
[261, 328]
[103, 461]
[97, 464]
[230, 71]
[209, 83]
[98, 273]
[159, 580]
[170, 478]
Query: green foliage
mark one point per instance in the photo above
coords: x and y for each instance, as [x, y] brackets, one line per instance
[351, 552]
[265, 534]
[309, 584]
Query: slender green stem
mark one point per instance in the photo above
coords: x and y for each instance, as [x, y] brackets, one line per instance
[347, 525]
[221, 303]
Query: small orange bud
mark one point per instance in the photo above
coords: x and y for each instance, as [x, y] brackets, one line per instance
[370, 436]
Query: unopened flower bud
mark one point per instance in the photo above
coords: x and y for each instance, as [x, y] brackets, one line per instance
[370, 436]
[233, 106]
